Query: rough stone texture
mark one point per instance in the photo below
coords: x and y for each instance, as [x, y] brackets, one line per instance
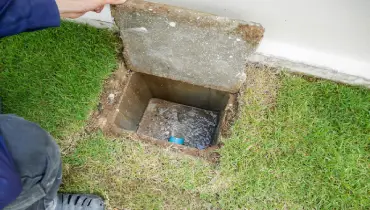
[186, 45]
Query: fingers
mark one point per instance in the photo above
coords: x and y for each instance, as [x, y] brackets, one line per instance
[74, 9]
[116, 1]
[72, 15]
[99, 9]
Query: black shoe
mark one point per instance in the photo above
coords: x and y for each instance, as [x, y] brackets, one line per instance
[79, 202]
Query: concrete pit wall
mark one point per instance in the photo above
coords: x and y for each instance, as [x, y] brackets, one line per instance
[141, 88]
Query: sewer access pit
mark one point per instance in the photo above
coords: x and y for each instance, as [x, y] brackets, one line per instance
[160, 108]
[187, 69]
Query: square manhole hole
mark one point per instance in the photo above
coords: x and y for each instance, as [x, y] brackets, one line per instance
[159, 108]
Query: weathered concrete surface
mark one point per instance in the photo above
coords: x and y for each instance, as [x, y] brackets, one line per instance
[186, 45]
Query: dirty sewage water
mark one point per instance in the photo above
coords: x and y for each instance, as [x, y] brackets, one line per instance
[163, 119]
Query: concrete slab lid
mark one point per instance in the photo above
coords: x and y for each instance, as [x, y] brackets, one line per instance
[186, 45]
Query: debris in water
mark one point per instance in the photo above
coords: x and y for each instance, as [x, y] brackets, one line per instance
[163, 119]
[111, 98]
[172, 24]
[176, 140]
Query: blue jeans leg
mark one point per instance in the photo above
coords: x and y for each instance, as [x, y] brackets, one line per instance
[37, 158]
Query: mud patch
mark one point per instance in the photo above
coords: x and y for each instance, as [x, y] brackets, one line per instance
[261, 86]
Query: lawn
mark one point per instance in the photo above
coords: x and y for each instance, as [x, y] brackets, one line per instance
[54, 76]
[297, 144]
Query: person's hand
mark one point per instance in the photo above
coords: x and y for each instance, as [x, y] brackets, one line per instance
[77, 8]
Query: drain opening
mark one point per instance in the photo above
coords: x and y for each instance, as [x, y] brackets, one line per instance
[161, 108]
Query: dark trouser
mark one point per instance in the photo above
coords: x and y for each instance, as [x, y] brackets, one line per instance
[37, 158]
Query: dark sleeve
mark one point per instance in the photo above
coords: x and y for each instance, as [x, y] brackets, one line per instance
[18, 16]
[10, 182]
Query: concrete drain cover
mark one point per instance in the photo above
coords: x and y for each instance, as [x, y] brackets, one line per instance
[186, 45]
[163, 119]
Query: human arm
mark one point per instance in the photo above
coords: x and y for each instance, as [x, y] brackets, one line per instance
[18, 16]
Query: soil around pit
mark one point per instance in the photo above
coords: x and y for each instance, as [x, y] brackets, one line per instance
[260, 79]
[109, 100]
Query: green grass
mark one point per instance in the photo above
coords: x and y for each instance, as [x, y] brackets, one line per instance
[309, 150]
[136, 176]
[296, 145]
[54, 76]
